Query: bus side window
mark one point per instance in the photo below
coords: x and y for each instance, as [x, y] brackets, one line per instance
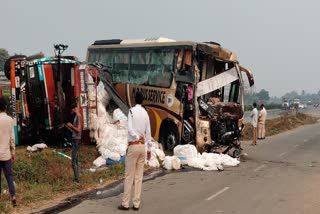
[180, 91]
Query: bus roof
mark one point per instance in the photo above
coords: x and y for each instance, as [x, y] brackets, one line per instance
[210, 48]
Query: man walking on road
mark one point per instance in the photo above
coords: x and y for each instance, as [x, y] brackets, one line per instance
[139, 139]
[254, 123]
[7, 149]
[262, 122]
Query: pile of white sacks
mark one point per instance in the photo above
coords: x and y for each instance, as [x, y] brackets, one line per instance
[110, 133]
[188, 155]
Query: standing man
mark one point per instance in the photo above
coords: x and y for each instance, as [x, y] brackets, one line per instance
[254, 123]
[7, 149]
[139, 139]
[262, 122]
[75, 128]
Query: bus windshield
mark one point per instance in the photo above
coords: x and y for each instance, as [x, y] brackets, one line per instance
[139, 66]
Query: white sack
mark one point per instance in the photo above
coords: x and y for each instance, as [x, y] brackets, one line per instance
[118, 115]
[176, 164]
[36, 147]
[107, 154]
[160, 154]
[167, 163]
[187, 152]
[229, 161]
[99, 162]
[153, 162]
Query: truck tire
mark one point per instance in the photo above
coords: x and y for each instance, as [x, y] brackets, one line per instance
[7, 67]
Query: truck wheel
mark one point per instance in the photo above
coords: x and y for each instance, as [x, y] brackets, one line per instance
[7, 65]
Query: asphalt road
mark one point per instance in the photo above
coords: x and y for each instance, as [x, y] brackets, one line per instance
[279, 176]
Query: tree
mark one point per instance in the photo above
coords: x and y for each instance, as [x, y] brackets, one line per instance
[291, 95]
[263, 95]
[4, 55]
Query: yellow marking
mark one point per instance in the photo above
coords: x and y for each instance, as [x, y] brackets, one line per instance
[158, 121]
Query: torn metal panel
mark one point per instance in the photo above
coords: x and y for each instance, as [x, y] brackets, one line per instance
[249, 75]
[217, 51]
[216, 82]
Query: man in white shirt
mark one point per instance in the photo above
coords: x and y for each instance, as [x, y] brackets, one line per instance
[139, 139]
[7, 149]
[262, 122]
[254, 123]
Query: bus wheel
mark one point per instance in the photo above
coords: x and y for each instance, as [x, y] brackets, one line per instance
[170, 141]
[169, 137]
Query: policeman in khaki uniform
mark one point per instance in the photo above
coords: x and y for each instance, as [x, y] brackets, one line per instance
[262, 122]
[139, 140]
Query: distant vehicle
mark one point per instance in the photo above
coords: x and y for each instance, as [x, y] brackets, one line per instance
[301, 106]
[285, 104]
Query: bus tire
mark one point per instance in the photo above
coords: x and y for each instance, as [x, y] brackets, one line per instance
[169, 137]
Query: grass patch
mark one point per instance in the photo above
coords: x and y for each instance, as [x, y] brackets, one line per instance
[284, 123]
[43, 176]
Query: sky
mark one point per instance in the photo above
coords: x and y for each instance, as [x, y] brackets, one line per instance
[278, 40]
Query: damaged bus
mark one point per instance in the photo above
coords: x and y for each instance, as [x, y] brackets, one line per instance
[193, 91]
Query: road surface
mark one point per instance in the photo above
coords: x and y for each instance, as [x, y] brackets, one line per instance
[279, 176]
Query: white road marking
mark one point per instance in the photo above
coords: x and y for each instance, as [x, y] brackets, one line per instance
[295, 146]
[282, 154]
[258, 168]
[218, 193]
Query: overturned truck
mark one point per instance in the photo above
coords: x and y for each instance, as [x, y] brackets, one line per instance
[193, 91]
[42, 91]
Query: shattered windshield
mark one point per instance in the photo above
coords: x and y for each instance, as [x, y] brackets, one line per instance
[139, 67]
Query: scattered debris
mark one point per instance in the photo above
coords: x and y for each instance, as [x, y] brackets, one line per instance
[61, 154]
[37, 147]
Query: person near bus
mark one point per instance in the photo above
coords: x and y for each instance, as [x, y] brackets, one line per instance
[262, 122]
[75, 128]
[7, 149]
[254, 123]
[139, 140]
